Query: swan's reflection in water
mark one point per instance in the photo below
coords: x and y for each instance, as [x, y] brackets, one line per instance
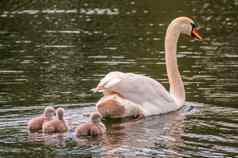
[156, 135]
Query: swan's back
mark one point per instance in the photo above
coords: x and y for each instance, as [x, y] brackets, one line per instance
[142, 90]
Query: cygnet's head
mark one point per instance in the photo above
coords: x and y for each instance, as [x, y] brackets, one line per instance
[95, 117]
[60, 113]
[49, 112]
[186, 26]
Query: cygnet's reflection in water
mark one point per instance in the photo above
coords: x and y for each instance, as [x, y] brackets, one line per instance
[57, 139]
[155, 135]
[54, 140]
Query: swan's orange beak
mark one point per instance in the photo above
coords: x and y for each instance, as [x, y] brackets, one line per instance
[195, 34]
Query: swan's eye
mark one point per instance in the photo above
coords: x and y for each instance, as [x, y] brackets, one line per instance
[193, 25]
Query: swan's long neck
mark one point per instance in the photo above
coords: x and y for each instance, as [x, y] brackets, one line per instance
[175, 80]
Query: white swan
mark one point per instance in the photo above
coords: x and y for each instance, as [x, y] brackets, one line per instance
[128, 94]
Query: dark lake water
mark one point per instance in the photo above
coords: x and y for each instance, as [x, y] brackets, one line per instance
[54, 52]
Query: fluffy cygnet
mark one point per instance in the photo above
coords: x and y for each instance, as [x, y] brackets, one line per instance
[93, 128]
[58, 124]
[35, 124]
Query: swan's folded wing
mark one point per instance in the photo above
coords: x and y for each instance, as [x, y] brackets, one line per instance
[109, 81]
[140, 89]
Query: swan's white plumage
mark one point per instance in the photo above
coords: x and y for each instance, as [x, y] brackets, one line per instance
[146, 92]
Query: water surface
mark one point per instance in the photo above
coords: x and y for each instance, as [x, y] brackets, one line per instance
[53, 53]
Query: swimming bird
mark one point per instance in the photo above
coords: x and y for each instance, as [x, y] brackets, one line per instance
[57, 124]
[35, 124]
[93, 128]
[129, 94]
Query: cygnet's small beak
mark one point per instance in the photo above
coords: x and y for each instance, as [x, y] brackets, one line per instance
[195, 34]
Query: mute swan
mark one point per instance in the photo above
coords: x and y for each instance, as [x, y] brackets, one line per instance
[58, 124]
[93, 128]
[128, 94]
[36, 123]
